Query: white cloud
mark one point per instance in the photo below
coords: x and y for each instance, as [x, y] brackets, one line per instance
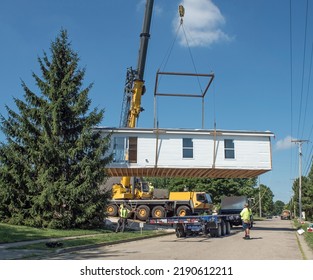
[284, 144]
[202, 22]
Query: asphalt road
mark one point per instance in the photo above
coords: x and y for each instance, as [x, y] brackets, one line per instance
[272, 239]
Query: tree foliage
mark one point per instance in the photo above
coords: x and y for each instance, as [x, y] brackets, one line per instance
[279, 206]
[306, 196]
[263, 197]
[53, 161]
[215, 187]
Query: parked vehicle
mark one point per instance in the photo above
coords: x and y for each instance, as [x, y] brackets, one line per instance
[232, 205]
[286, 215]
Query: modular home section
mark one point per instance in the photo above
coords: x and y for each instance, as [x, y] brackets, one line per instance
[188, 152]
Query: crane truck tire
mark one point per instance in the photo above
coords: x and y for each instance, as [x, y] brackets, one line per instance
[143, 212]
[158, 212]
[112, 210]
[183, 211]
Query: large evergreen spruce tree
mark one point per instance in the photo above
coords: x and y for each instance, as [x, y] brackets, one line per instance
[53, 161]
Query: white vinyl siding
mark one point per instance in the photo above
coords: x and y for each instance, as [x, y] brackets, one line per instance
[203, 150]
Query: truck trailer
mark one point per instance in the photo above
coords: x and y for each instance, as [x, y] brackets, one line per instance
[208, 225]
[233, 205]
[285, 215]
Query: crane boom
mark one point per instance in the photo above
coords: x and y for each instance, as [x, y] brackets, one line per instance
[144, 39]
[139, 88]
[133, 100]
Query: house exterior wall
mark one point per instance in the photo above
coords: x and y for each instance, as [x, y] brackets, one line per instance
[251, 150]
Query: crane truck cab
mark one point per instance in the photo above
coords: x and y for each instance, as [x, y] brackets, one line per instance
[188, 203]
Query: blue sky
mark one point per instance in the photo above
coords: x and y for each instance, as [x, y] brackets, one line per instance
[260, 52]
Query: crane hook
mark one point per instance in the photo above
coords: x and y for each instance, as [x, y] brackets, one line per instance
[181, 10]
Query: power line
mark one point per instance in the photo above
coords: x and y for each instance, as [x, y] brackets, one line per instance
[303, 64]
[291, 78]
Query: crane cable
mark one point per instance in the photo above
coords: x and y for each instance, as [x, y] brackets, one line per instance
[181, 11]
[169, 51]
[165, 60]
[164, 63]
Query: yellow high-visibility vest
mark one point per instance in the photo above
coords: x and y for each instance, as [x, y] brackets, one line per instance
[124, 213]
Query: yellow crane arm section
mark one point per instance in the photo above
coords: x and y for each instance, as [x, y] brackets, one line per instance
[135, 103]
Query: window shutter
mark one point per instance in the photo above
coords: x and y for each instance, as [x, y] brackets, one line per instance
[132, 149]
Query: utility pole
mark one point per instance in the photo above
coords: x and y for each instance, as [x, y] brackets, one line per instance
[300, 142]
[260, 198]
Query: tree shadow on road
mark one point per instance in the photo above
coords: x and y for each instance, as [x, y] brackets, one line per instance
[253, 238]
[273, 228]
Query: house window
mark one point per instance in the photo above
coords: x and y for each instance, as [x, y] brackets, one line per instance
[119, 149]
[125, 149]
[187, 148]
[229, 148]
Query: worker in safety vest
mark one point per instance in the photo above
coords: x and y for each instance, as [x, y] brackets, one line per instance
[247, 220]
[123, 212]
[151, 190]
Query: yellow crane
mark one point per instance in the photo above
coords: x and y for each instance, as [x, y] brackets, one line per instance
[134, 89]
[138, 196]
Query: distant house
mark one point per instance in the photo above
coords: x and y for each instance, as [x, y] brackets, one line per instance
[188, 152]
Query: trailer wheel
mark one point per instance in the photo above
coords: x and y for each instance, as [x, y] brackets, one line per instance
[158, 212]
[216, 232]
[223, 228]
[228, 228]
[206, 230]
[112, 210]
[143, 212]
[180, 232]
[183, 211]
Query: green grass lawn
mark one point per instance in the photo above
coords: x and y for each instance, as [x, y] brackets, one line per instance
[308, 236]
[11, 233]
